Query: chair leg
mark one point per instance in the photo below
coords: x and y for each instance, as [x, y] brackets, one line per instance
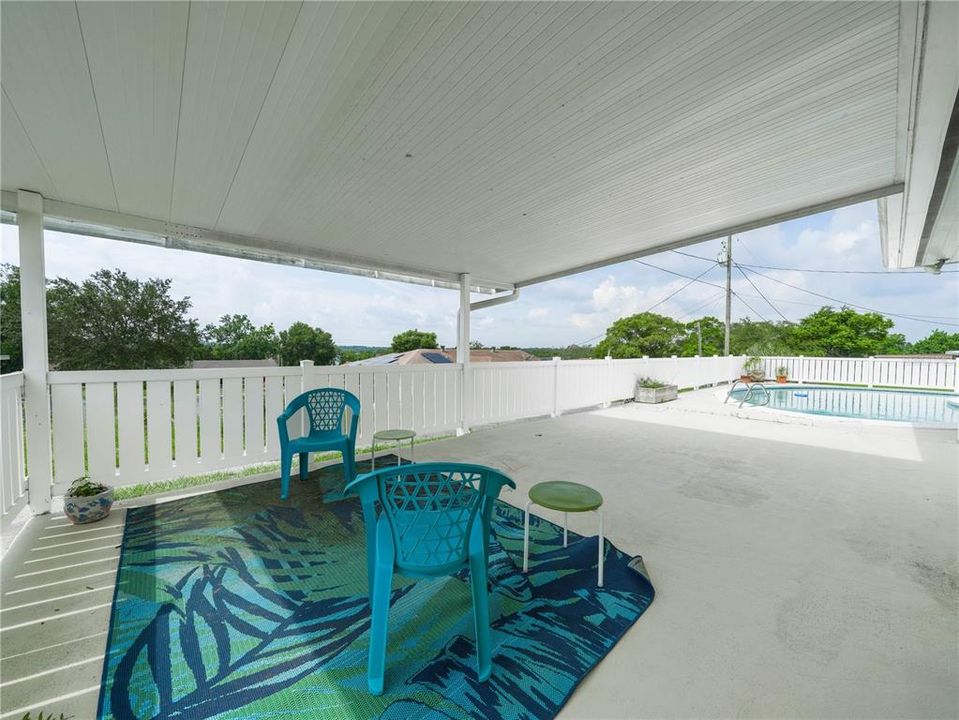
[304, 465]
[602, 547]
[380, 600]
[526, 539]
[286, 461]
[478, 584]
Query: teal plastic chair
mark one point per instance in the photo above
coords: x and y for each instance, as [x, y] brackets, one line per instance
[325, 409]
[434, 520]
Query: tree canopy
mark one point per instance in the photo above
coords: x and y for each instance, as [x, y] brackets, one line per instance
[413, 340]
[303, 342]
[938, 341]
[642, 334]
[111, 321]
[11, 342]
[236, 338]
[845, 333]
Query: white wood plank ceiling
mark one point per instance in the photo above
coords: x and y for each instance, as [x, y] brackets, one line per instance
[510, 140]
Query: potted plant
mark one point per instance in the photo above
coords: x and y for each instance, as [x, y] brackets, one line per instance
[649, 390]
[87, 501]
[753, 370]
[782, 374]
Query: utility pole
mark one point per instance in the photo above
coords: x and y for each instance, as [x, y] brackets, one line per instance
[699, 333]
[729, 291]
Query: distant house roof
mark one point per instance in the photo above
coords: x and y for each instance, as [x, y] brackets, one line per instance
[269, 362]
[447, 355]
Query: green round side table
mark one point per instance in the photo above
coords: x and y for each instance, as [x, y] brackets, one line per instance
[397, 436]
[565, 497]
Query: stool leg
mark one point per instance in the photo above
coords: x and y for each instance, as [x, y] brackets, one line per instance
[412, 452]
[602, 544]
[526, 539]
[399, 458]
[373, 456]
[565, 531]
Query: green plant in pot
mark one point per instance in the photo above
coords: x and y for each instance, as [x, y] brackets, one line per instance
[753, 370]
[87, 501]
[782, 374]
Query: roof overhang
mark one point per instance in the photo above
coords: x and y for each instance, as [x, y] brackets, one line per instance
[920, 226]
[515, 142]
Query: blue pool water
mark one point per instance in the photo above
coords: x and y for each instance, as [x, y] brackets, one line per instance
[897, 405]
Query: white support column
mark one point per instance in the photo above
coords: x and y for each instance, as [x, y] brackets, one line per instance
[33, 315]
[871, 371]
[463, 353]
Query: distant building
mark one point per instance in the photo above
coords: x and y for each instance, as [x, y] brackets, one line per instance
[447, 355]
[197, 364]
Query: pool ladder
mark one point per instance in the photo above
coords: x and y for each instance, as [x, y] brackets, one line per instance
[750, 387]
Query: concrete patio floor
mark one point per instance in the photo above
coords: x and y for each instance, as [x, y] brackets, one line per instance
[800, 571]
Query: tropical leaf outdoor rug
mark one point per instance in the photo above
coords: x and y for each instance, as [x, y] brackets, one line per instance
[235, 604]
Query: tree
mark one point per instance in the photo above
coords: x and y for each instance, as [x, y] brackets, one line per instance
[348, 355]
[642, 334]
[713, 331]
[11, 342]
[748, 337]
[111, 321]
[938, 341]
[845, 333]
[413, 340]
[236, 338]
[302, 342]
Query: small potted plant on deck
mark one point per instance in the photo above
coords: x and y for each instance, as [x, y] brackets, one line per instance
[87, 501]
[782, 374]
[649, 390]
[753, 370]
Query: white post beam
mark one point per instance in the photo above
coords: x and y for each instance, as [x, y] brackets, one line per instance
[33, 316]
[463, 352]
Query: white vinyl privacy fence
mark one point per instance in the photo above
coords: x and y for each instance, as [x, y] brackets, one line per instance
[133, 426]
[916, 373]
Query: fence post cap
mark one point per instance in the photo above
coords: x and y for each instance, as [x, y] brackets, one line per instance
[556, 358]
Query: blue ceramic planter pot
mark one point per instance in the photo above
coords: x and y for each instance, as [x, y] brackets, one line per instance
[88, 509]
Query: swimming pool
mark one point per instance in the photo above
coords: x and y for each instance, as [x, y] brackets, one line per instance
[896, 405]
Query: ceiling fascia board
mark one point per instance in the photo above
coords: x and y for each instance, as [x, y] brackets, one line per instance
[96, 222]
[873, 194]
[932, 95]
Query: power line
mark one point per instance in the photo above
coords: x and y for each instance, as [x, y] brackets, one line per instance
[931, 319]
[657, 304]
[817, 270]
[849, 304]
[760, 293]
[672, 294]
[673, 272]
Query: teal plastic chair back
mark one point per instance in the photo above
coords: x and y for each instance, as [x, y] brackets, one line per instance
[326, 411]
[434, 519]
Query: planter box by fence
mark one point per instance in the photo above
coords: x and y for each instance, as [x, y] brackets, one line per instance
[655, 395]
[133, 426]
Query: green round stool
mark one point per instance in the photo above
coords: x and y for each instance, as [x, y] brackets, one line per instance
[565, 497]
[396, 436]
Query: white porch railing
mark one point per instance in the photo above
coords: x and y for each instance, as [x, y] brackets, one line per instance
[13, 484]
[133, 426]
[916, 373]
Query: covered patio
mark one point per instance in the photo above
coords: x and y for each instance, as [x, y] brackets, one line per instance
[802, 574]
[483, 148]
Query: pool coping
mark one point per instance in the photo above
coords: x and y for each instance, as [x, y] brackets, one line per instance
[796, 417]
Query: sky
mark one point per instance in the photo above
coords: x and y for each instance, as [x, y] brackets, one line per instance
[575, 309]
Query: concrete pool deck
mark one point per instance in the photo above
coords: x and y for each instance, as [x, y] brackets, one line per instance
[800, 571]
